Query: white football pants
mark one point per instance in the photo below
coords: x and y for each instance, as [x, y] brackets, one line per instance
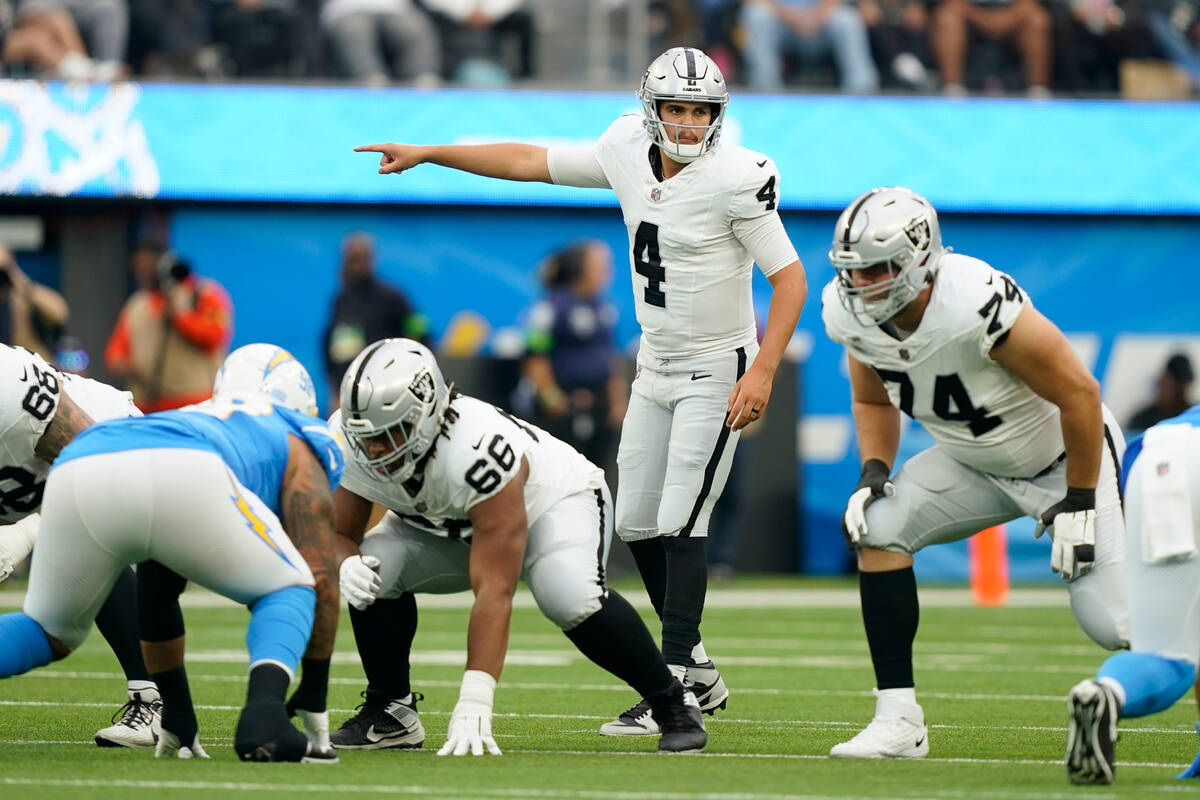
[183, 508]
[675, 450]
[565, 557]
[939, 499]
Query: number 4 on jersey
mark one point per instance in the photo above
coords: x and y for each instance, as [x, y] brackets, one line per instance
[647, 261]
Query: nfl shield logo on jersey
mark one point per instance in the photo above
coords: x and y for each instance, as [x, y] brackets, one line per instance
[656, 194]
[904, 353]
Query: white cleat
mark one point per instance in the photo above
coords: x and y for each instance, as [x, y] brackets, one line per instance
[169, 746]
[637, 721]
[136, 724]
[897, 731]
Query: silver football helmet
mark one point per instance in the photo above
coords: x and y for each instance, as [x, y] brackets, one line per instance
[890, 226]
[393, 399]
[687, 74]
[255, 370]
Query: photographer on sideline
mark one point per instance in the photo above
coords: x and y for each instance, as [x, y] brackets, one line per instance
[172, 333]
[31, 315]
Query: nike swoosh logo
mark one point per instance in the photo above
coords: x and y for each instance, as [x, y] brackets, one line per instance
[761, 163]
[696, 377]
[920, 741]
[990, 279]
[372, 736]
[476, 445]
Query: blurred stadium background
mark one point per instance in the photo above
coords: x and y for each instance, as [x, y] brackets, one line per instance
[229, 132]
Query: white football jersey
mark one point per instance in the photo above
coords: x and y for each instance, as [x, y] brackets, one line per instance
[942, 376]
[693, 238]
[29, 396]
[479, 456]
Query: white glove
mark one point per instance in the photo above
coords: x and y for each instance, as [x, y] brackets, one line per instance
[169, 746]
[872, 485]
[1073, 551]
[16, 543]
[359, 580]
[471, 721]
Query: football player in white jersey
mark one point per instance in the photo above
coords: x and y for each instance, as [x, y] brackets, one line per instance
[477, 499]
[41, 411]
[699, 215]
[1018, 425]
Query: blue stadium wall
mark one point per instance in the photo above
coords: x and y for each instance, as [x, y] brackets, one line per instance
[1094, 207]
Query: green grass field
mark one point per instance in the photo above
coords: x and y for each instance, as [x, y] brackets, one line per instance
[992, 681]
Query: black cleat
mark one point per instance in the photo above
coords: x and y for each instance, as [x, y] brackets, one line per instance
[382, 725]
[681, 725]
[1092, 733]
[264, 733]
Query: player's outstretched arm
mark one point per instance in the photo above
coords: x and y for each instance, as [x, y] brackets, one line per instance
[1036, 351]
[497, 556]
[307, 506]
[68, 420]
[509, 160]
[358, 575]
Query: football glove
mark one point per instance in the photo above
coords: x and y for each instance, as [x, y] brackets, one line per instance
[1072, 525]
[16, 543]
[169, 746]
[872, 485]
[359, 580]
[471, 722]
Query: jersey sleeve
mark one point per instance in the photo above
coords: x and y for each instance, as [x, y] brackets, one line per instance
[754, 216]
[1000, 302]
[30, 391]
[320, 439]
[577, 166]
[485, 461]
[831, 310]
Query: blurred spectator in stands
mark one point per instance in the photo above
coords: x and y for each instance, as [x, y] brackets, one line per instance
[102, 24]
[265, 37]
[720, 32]
[365, 32]
[173, 331]
[1172, 392]
[31, 315]
[805, 29]
[1024, 23]
[49, 35]
[1176, 31]
[671, 23]
[899, 35]
[365, 310]
[475, 34]
[174, 38]
[575, 369]
[1092, 37]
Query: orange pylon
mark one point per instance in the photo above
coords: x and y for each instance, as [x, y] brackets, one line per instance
[988, 551]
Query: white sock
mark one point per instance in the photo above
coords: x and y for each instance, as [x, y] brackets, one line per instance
[678, 671]
[1117, 688]
[906, 695]
[137, 686]
[698, 654]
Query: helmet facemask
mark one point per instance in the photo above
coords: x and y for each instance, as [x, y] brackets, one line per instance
[687, 75]
[393, 401]
[892, 229]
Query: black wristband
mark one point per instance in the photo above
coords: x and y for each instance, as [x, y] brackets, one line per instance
[1080, 499]
[874, 473]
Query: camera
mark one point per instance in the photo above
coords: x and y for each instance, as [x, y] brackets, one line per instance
[171, 269]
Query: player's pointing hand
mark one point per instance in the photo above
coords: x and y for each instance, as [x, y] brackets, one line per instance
[394, 157]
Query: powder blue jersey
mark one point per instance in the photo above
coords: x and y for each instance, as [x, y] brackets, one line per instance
[251, 436]
[1189, 417]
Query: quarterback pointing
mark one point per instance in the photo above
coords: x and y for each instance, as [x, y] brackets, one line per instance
[699, 215]
[477, 499]
[1018, 425]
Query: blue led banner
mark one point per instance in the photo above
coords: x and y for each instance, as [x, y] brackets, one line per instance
[260, 143]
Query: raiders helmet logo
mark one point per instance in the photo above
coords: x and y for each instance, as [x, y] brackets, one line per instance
[422, 387]
[917, 232]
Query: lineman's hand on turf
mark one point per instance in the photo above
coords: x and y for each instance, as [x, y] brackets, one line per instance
[359, 580]
[394, 157]
[872, 485]
[471, 722]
